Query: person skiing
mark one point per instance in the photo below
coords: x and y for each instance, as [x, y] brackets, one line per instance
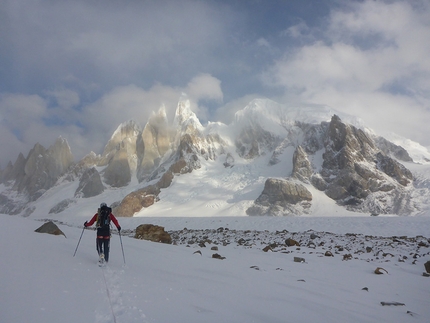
[102, 218]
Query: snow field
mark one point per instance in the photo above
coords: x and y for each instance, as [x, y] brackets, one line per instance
[43, 282]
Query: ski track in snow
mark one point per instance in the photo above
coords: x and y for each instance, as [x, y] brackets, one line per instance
[118, 304]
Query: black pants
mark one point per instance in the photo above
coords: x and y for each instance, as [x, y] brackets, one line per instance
[102, 244]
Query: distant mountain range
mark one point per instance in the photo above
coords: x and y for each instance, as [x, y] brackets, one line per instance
[271, 160]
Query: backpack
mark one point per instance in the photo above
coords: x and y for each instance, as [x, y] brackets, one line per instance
[103, 217]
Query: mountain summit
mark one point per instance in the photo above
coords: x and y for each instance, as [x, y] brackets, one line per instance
[271, 160]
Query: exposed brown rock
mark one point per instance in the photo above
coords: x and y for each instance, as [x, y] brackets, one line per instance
[291, 242]
[267, 248]
[153, 233]
[137, 200]
[180, 167]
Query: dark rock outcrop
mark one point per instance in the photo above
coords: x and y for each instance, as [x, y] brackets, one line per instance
[118, 172]
[390, 149]
[281, 197]
[61, 206]
[29, 178]
[254, 141]
[43, 167]
[90, 184]
[355, 171]
[302, 168]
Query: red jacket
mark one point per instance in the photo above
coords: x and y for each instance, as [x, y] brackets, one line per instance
[111, 216]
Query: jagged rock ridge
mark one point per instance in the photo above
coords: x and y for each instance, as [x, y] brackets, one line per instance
[353, 167]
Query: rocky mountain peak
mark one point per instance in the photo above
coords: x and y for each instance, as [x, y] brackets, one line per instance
[33, 175]
[297, 150]
[185, 120]
[126, 133]
[154, 142]
[345, 145]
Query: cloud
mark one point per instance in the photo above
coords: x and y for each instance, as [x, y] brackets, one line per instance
[226, 113]
[64, 98]
[24, 121]
[138, 42]
[371, 61]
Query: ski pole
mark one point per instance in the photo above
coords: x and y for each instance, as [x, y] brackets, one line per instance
[79, 241]
[122, 248]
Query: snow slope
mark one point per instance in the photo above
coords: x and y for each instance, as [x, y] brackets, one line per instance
[43, 282]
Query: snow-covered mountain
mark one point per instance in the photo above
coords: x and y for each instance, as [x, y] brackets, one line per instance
[271, 160]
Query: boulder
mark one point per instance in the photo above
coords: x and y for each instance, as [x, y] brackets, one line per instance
[153, 233]
[50, 228]
[291, 242]
[217, 256]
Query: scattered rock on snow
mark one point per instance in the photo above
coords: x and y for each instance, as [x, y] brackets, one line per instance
[347, 257]
[217, 256]
[392, 304]
[427, 266]
[380, 271]
[299, 259]
[267, 248]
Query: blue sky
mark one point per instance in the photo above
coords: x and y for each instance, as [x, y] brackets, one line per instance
[79, 68]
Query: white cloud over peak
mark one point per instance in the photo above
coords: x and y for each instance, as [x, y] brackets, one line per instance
[26, 117]
[372, 61]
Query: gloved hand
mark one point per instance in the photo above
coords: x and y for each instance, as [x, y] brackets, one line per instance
[85, 224]
[119, 229]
